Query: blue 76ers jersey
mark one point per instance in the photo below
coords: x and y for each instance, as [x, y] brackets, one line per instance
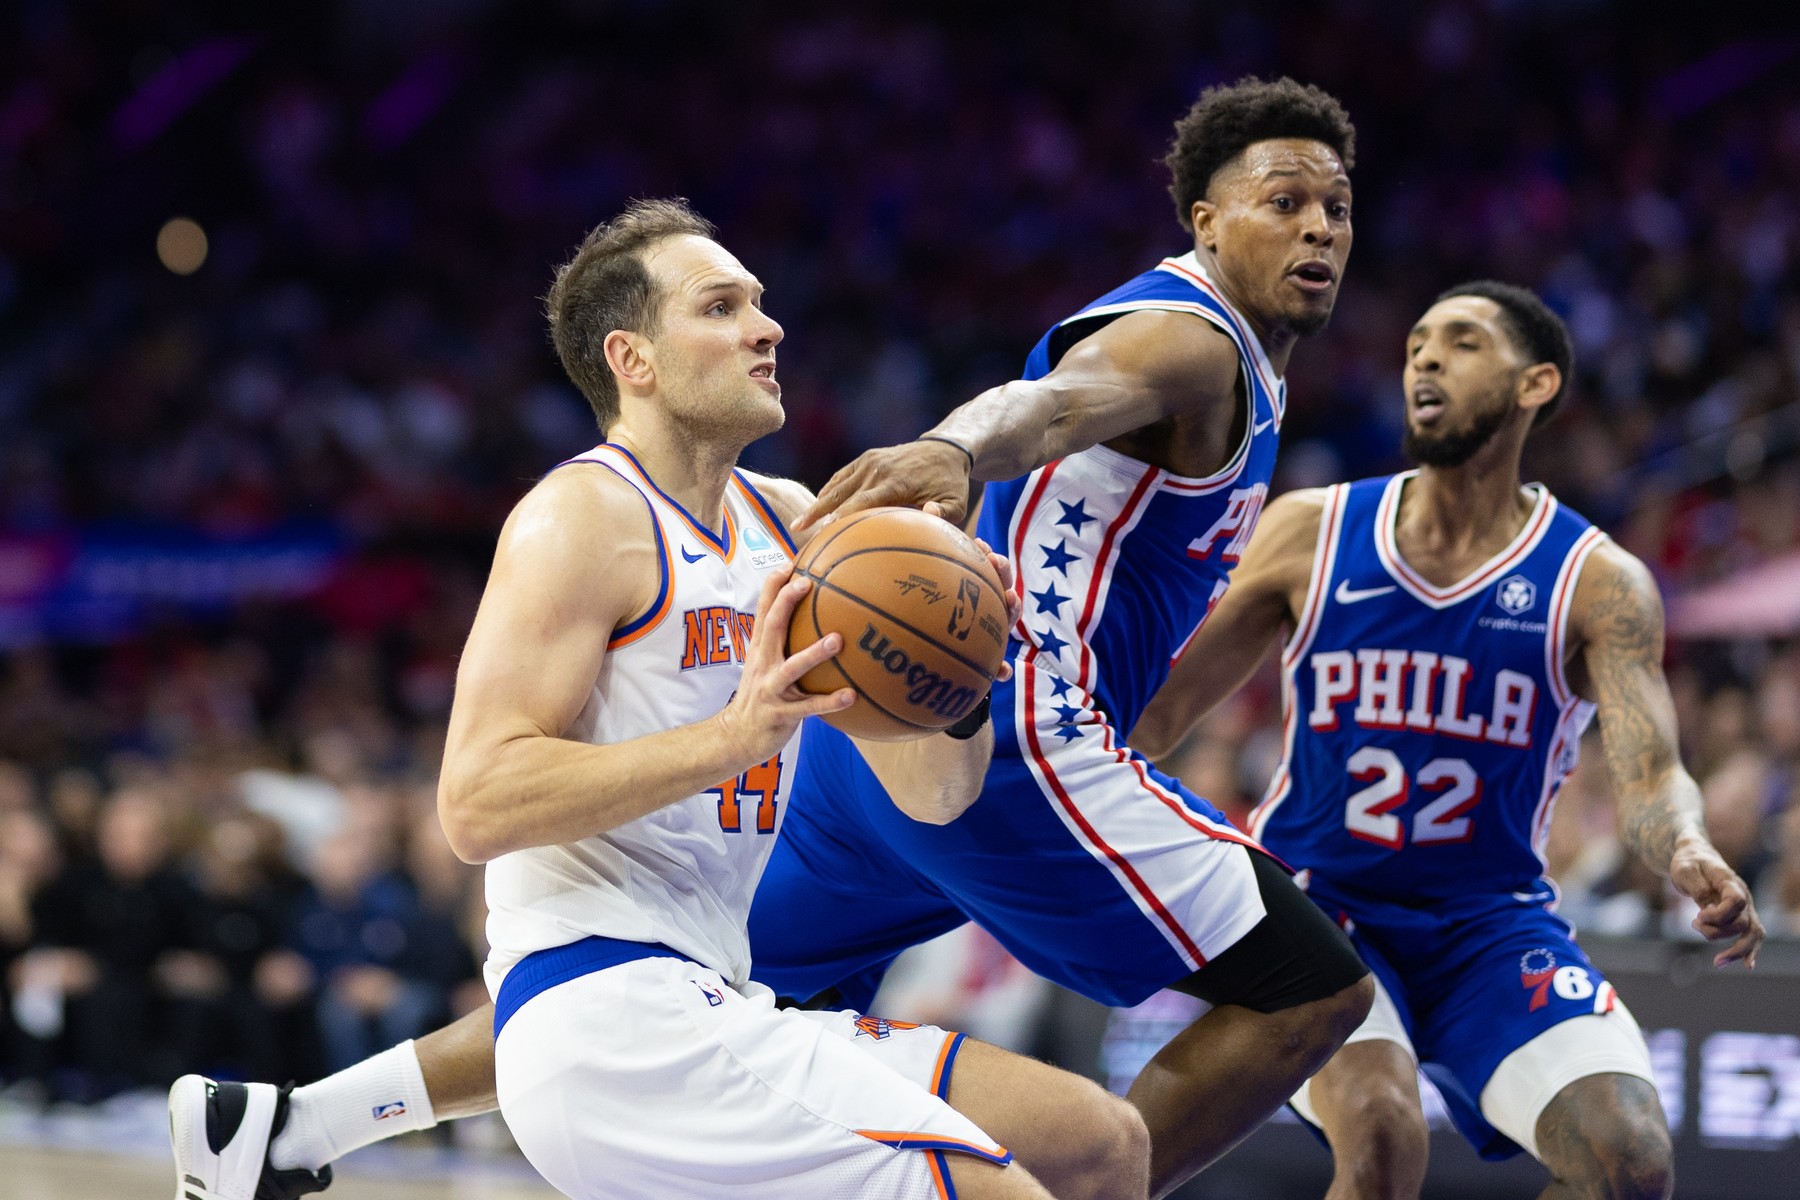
[1427, 729]
[1119, 561]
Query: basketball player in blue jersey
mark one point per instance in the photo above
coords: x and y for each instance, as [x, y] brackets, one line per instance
[1124, 474]
[1449, 635]
[1130, 466]
[631, 1054]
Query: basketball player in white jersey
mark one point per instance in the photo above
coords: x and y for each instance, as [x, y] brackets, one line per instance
[627, 658]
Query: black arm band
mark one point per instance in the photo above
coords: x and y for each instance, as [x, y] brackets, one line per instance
[971, 725]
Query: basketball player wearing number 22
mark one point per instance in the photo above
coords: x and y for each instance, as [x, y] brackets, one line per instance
[1450, 634]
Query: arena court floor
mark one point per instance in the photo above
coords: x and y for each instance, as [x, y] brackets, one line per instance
[120, 1151]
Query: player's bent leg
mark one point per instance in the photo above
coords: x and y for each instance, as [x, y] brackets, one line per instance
[457, 1063]
[1079, 1139]
[1286, 996]
[1366, 1100]
[1580, 1098]
[1605, 1138]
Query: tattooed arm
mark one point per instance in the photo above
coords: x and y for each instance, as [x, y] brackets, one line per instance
[1618, 618]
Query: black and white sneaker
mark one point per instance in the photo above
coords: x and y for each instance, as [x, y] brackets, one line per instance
[221, 1134]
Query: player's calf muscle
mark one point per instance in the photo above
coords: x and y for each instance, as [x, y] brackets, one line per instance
[1605, 1136]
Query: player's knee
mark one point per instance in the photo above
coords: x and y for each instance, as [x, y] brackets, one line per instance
[1108, 1149]
[1636, 1159]
[1386, 1122]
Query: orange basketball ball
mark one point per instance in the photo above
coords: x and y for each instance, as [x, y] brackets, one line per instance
[921, 613]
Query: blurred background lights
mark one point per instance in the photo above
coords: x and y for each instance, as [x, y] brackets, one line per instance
[181, 245]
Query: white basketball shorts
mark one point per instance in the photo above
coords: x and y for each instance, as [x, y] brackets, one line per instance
[655, 1079]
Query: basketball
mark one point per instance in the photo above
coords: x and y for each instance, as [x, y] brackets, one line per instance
[922, 617]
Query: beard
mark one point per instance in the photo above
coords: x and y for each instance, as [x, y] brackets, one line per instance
[1312, 322]
[1456, 447]
[733, 413]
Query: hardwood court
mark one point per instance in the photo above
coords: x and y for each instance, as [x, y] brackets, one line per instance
[32, 1173]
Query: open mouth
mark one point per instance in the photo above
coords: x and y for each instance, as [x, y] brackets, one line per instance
[1428, 403]
[764, 373]
[1313, 276]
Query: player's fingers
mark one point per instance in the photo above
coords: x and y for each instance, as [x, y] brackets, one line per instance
[802, 661]
[768, 641]
[932, 508]
[1743, 950]
[832, 494]
[765, 597]
[819, 706]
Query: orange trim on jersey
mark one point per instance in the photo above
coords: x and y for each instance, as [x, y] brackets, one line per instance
[725, 547]
[940, 1175]
[939, 1084]
[770, 521]
[632, 630]
[900, 1140]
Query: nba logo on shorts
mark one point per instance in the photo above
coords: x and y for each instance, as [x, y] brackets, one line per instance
[1536, 969]
[1516, 594]
[714, 997]
[396, 1108]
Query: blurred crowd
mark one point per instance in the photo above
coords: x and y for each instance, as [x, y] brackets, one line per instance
[217, 844]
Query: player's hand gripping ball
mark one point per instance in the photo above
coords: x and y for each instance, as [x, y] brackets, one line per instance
[922, 615]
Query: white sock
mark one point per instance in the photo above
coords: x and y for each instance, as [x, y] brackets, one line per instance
[375, 1099]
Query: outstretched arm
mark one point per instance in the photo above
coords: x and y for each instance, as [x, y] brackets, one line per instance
[1268, 588]
[1618, 615]
[1139, 369]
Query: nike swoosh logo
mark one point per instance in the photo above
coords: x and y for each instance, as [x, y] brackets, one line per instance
[1344, 594]
[1262, 425]
[691, 557]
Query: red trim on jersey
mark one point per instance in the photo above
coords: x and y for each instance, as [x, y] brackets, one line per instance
[1103, 570]
[1318, 589]
[1560, 605]
[1024, 526]
[1387, 547]
[1174, 804]
[1069, 806]
[1317, 596]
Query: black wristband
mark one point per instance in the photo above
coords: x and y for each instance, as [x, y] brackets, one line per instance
[971, 724]
[967, 453]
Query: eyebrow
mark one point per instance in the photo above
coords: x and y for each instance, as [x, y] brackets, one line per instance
[1459, 325]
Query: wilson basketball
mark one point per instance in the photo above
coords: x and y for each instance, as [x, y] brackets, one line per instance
[922, 617]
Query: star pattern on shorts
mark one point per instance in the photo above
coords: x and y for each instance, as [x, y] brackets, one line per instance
[1059, 687]
[1067, 733]
[1058, 557]
[1075, 515]
[1048, 642]
[1050, 600]
[1066, 714]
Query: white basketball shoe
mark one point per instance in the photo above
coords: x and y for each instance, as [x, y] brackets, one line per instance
[221, 1134]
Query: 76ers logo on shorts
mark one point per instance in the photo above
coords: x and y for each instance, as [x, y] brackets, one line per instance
[879, 1027]
[1536, 969]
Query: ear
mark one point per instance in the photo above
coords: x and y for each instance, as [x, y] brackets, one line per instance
[1538, 385]
[631, 357]
[1204, 219]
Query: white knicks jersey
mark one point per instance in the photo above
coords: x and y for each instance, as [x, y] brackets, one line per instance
[682, 875]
